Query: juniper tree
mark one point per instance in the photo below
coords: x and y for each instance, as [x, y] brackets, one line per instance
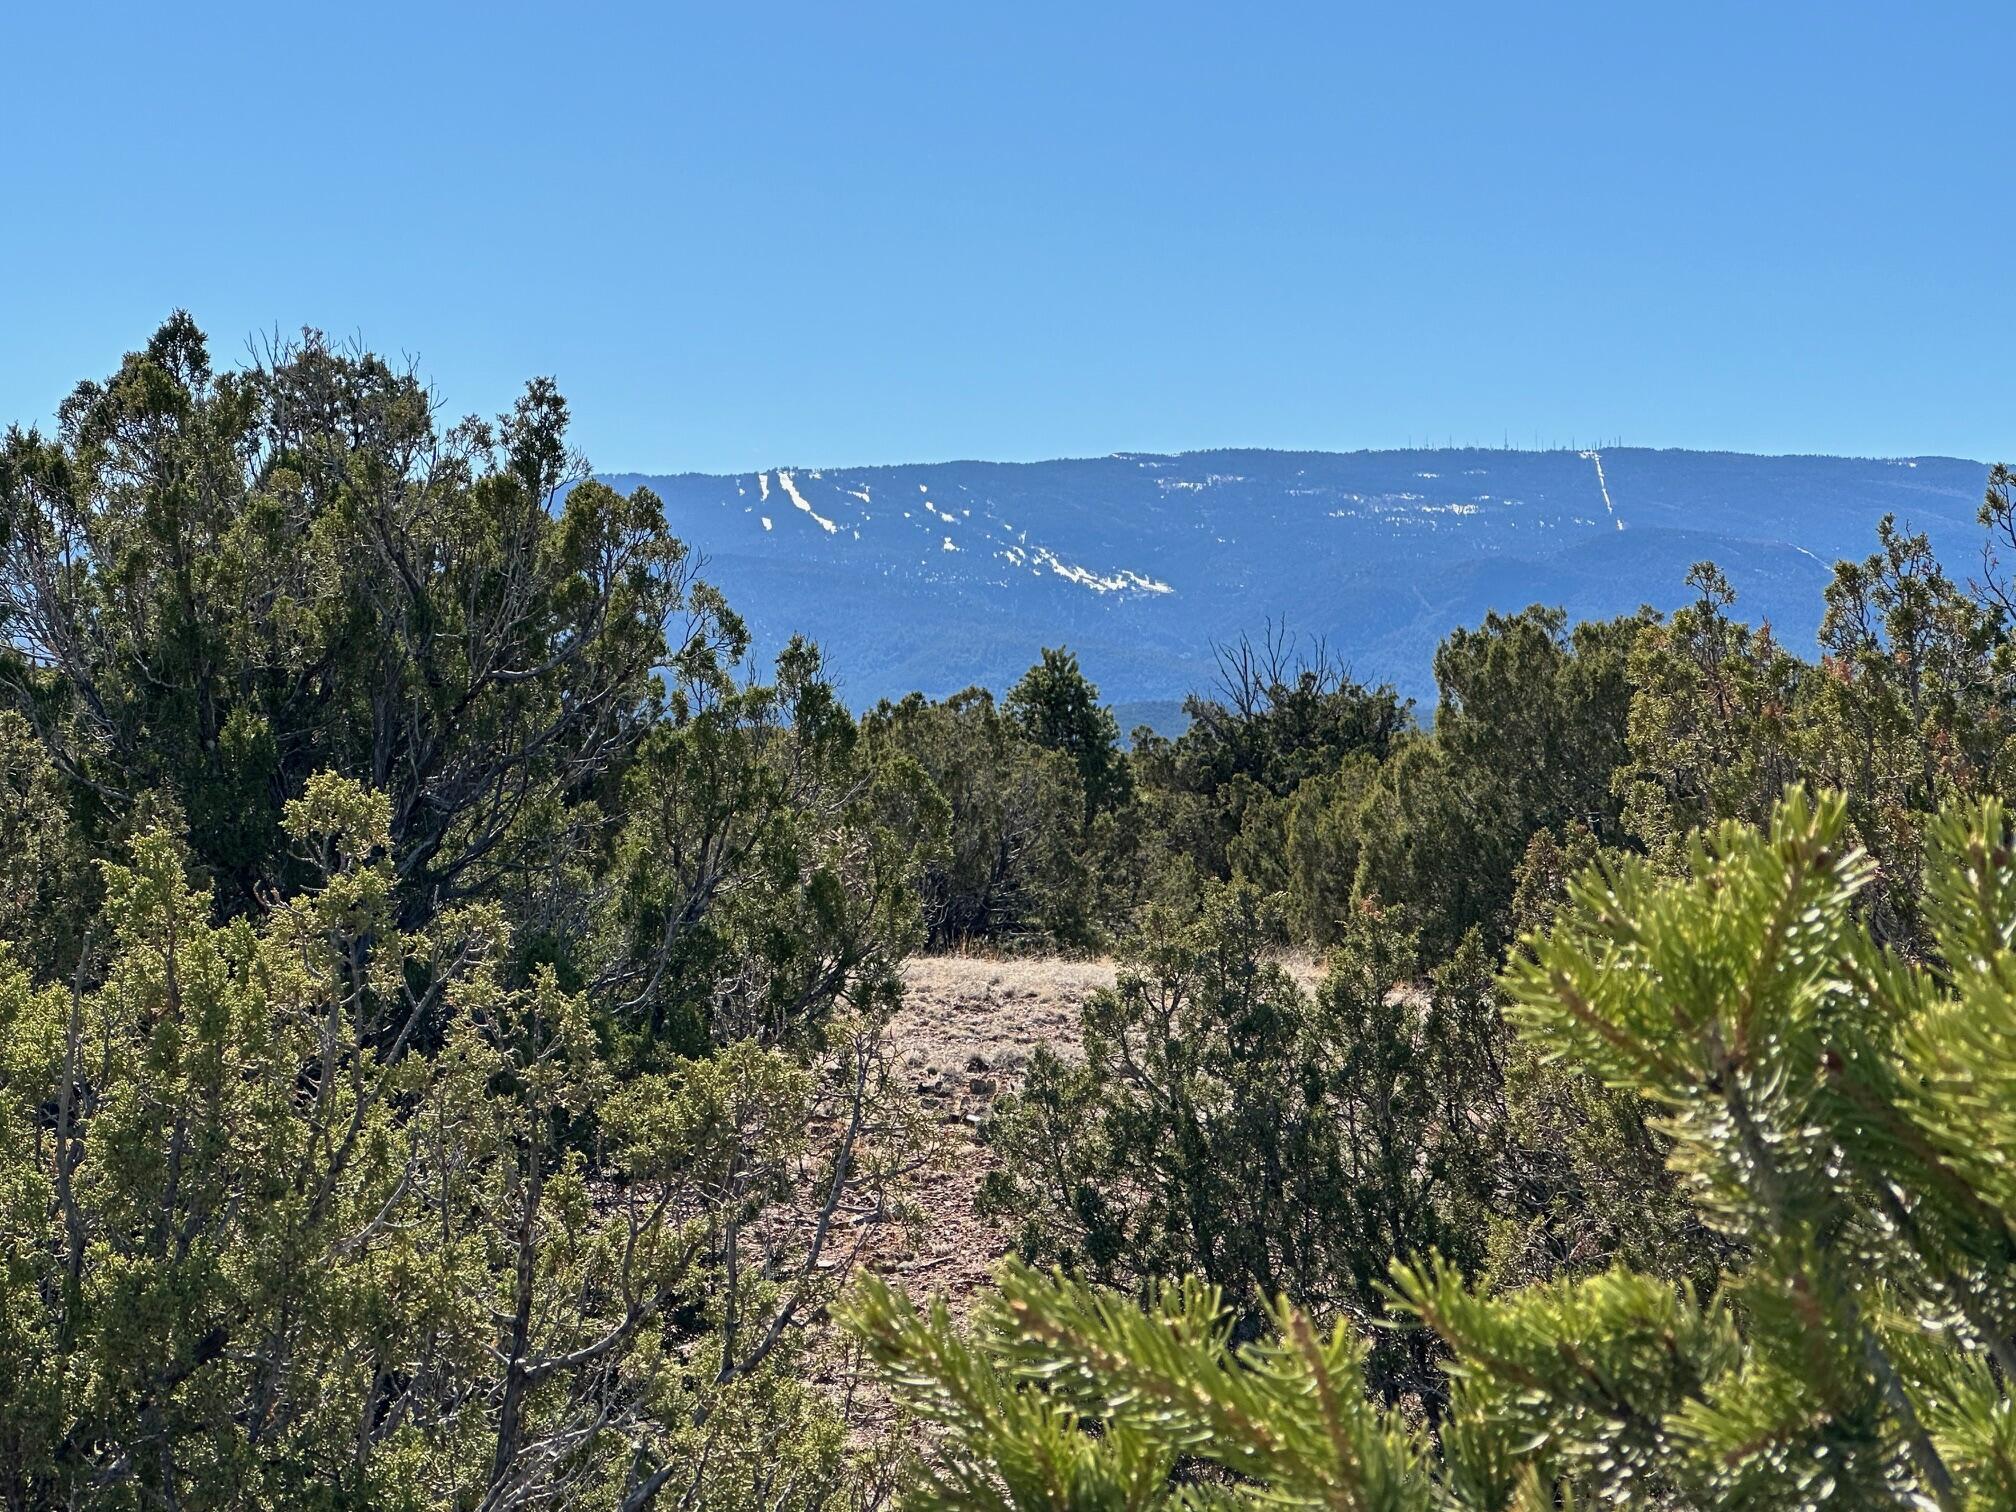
[214, 584]
[1280, 712]
[1059, 709]
[257, 1249]
[1006, 861]
[1528, 733]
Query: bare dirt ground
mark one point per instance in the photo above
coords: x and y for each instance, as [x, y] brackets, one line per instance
[964, 1036]
[968, 1027]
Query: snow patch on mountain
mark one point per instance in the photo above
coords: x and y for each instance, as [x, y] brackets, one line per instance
[784, 481]
[1117, 582]
[1602, 486]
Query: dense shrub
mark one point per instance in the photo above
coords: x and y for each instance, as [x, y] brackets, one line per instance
[257, 1248]
[1013, 866]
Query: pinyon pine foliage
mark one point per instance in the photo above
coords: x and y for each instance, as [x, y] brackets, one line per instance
[1844, 1116]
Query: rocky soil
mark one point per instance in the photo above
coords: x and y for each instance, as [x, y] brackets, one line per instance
[965, 1035]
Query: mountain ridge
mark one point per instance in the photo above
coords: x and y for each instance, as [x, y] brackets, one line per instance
[1291, 451]
[938, 575]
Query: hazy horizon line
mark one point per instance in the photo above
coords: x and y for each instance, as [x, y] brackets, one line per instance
[1571, 447]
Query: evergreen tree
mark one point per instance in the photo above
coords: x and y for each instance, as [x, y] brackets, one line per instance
[1007, 862]
[257, 1249]
[214, 585]
[1059, 709]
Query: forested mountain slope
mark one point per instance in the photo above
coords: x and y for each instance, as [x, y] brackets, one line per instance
[938, 575]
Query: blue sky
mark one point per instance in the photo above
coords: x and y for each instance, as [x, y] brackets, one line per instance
[750, 234]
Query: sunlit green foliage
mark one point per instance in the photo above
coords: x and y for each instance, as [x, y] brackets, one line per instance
[1060, 710]
[214, 585]
[1842, 1114]
[442, 996]
[1281, 715]
[260, 1250]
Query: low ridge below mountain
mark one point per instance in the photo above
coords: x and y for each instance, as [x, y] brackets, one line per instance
[938, 576]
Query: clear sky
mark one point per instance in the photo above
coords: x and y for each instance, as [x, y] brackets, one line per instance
[745, 234]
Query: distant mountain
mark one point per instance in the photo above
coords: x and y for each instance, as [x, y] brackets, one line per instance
[942, 575]
[1164, 716]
